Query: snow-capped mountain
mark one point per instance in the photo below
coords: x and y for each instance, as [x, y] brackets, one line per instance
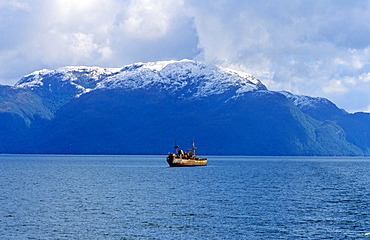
[197, 79]
[139, 108]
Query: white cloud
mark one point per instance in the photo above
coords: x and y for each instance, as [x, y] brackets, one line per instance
[318, 47]
[335, 86]
[150, 19]
[365, 77]
[14, 5]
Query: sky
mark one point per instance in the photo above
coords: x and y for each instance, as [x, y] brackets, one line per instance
[309, 47]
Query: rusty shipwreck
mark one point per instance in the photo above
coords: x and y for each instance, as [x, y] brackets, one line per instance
[185, 159]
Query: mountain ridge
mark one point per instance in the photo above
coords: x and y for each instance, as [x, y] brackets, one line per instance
[92, 110]
[172, 74]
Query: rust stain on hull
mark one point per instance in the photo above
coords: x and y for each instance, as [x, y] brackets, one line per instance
[185, 159]
[174, 161]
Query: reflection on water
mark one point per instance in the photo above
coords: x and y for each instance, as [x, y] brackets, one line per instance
[140, 197]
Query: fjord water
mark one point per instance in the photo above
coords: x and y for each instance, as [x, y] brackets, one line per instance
[140, 197]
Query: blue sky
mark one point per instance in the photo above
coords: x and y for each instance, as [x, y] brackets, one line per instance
[311, 47]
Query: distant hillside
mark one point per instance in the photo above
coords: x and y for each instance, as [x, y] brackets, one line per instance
[140, 108]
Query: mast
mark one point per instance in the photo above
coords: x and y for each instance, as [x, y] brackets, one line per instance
[176, 146]
[194, 148]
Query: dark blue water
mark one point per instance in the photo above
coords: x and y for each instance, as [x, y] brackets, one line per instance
[140, 197]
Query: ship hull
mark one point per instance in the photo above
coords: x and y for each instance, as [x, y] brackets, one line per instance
[184, 162]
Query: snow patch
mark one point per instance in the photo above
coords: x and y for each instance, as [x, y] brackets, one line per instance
[160, 65]
[33, 79]
[304, 101]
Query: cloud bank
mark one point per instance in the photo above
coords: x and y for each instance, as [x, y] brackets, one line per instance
[316, 47]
